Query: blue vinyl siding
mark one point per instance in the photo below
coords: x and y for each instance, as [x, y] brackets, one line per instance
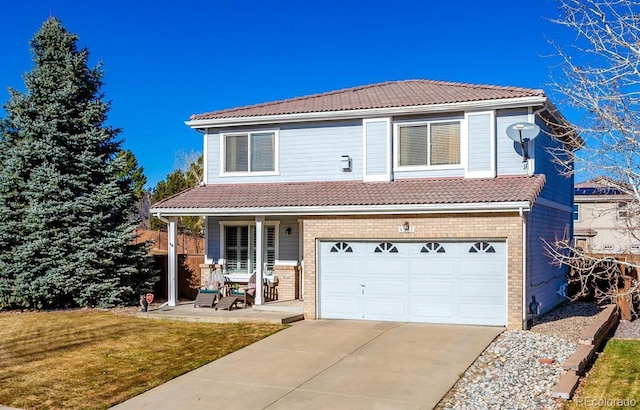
[509, 159]
[213, 239]
[544, 279]
[376, 147]
[287, 244]
[558, 187]
[307, 152]
[480, 142]
[313, 152]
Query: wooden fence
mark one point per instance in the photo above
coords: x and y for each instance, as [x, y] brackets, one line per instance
[627, 302]
[189, 244]
[188, 275]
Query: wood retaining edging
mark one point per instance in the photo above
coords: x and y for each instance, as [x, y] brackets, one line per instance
[589, 342]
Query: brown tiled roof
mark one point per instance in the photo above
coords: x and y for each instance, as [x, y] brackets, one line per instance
[222, 197]
[390, 94]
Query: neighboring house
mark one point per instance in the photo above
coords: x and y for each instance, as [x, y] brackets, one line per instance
[401, 201]
[600, 215]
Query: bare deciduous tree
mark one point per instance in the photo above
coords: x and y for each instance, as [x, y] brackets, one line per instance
[599, 77]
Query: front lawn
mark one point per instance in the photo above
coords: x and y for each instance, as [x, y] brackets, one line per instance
[614, 380]
[95, 359]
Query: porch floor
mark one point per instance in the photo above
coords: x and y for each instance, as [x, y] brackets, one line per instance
[271, 312]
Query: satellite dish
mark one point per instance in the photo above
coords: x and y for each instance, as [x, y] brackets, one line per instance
[523, 131]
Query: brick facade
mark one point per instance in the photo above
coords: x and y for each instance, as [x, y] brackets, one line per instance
[288, 282]
[502, 226]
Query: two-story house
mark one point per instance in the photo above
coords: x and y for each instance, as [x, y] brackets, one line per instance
[401, 201]
[600, 217]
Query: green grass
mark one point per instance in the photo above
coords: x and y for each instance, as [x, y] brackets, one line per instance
[88, 359]
[615, 376]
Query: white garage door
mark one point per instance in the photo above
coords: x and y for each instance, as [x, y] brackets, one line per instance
[434, 282]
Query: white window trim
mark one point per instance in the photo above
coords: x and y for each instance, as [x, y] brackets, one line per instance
[396, 144]
[531, 147]
[224, 224]
[491, 172]
[276, 152]
[205, 156]
[378, 177]
[579, 211]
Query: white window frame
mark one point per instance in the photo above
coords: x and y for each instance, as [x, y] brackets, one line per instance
[248, 133]
[577, 211]
[224, 224]
[396, 144]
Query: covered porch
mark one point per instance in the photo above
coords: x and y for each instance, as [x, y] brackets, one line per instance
[238, 249]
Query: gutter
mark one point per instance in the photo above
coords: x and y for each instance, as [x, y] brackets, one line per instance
[489, 207]
[368, 112]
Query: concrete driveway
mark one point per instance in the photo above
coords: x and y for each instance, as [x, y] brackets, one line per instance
[322, 364]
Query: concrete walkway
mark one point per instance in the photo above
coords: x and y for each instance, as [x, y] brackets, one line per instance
[322, 364]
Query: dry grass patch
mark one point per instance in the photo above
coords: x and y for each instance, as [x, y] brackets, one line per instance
[88, 359]
[614, 379]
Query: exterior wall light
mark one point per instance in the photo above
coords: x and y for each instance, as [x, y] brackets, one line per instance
[345, 163]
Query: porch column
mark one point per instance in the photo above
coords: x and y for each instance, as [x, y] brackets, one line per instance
[259, 255]
[172, 269]
[301, 255]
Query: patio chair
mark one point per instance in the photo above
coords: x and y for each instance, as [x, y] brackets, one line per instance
[206, 297]
[246, 294]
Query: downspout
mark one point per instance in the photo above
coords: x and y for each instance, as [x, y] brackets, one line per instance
[165, 220]
[524, 268]
[162, 218]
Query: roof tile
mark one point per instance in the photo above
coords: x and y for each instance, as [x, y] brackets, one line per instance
[390, 94]
[357, 193]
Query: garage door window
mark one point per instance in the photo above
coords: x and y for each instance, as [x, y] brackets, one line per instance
[432, 247]
[482, 247]
[341, 247]
[386, 247]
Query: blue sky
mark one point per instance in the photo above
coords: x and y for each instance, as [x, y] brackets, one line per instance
[164, 60]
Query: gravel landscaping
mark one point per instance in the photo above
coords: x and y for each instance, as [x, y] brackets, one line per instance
[509, 374]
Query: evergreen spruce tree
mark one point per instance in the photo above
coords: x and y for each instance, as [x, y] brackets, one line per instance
[67, 200]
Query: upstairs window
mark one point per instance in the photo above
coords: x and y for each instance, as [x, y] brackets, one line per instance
[622, 210]
[250, 152]
[576, 212]
[429, 144]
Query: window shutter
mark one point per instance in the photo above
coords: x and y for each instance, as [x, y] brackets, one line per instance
[237, 247]
[413, 145]
[445, 143]
[237, 152]
[262, 152]
[269, 243]
[270, 257]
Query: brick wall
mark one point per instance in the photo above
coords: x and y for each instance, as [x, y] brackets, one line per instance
[502, 226]
[288, 282]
